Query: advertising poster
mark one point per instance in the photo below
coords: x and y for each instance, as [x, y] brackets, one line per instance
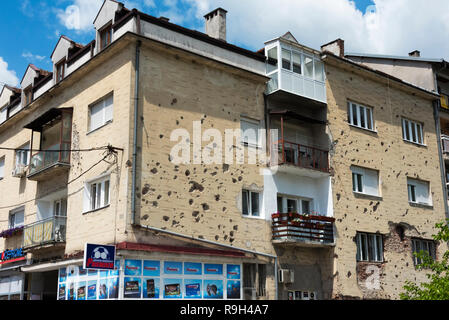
[213, 289]
[92, 272]
[233, 271]
[81, 271]
[191, 268]
[151, 288]
[233, 289]
[103, 289]
[133, 267]
[97, 256]
[151, 268]
[92, 290]
[71, 291]
[214, 269]
[192, 288]
[104, 274]
[172, 288]
[62, 275]
[61, 292]
[116, 271]
[132, 288]
[113, 288]
[81, 291]
[172, 267]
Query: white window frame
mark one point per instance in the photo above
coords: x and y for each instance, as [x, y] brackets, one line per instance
[2, 167]
[412, 190]
[302, 55]
[62, 205]
[102, 199]
[412, 131]
[419, 245]
[360, 181]
[368, 248]
[361, 112]
[251, 124]
[249, 200]
[13, 215]
[106, 118]
[21, 154]
[299, 203]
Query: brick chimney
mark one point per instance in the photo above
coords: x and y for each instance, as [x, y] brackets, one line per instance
[415, 54]
[336, 47]
[216, 24]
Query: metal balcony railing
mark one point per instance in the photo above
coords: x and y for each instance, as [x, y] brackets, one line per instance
[56, 154]
[48, 231]
[301, 155]
[303, 228]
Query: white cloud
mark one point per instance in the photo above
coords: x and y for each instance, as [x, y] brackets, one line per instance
[32, 57]
[396, 27]
[80, 15]
[7, 76]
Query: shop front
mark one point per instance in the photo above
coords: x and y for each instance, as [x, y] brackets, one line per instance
[12, 280]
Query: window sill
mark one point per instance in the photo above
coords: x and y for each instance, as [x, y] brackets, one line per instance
[421, 205]
[370, 262]
[364, 129]
[415, 143]
[253, 217]
[95, 210]
[366, 196]
[96, 129]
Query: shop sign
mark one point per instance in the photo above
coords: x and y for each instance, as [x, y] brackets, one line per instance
[9, 256]
[99, 257]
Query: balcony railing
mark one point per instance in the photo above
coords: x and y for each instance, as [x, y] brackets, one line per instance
[56, 154]
[48, 231]
[302, 228]
[301, 155]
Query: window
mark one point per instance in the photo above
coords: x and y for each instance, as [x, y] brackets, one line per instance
[2, 167]
[273, 55]
[369, 247]
[288, 204]
[296, 63]
[418, 191]
[412, 131]
[419, 245]
[250, 203]
[360, 116]
[308, 67]
[286, 59]
[365, 181]
[60, 70]
[250, 132]
[100, 113]
[16, 218]
[97, 194]
[105, 37]
[254, 280]
[60, 208]
[28, 95]
[22, 155]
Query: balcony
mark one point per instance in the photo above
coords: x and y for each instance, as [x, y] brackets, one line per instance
[56, 156]
[46, 232]
[305, 230]
[445, 143]
[444, 100]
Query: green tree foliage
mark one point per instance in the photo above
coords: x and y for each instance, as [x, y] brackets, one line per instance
[438, 273]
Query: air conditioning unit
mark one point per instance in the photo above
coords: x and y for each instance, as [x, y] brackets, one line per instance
[286, 276]
[19, 171]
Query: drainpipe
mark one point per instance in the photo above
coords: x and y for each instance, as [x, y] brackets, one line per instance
[436, 115]
[226, 246]
[134, 157]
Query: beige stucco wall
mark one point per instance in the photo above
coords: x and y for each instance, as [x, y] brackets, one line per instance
[396, 160]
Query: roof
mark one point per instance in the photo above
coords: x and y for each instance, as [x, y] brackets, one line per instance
[390, 57]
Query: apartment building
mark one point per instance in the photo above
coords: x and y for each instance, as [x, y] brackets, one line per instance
[151, 138]
[387, 184]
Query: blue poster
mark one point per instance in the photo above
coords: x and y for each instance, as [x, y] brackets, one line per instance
[172, 267]
[215, 269]
[151, 268]
[172, 288]
[133, 267]
[192, 268]
[103, 289]
[213, 289]
[116, 271]
[233, 289]
[104, 274]
[92, 272]
[92, 290]
[151, 288]
[233, 271]
[132, 288]
[192, 288]
[71, 291]
[113, 288]
[61, 292]
[82, 271]
[81, 291]
[62, 275]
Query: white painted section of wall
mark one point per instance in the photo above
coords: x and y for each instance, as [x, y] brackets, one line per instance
[60, 51]
[43, 89]
[5, 97]
[15, 109]
[28, 78]
[78, 63]
[129, 26]
[318, 189]
[3, 113]
[106, 14]
[179, 40]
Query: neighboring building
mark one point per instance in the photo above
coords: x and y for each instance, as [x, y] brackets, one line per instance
[134, 140]
[387, 184]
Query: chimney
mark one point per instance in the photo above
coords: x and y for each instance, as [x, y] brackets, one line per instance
[415, 54]
[216, 24]
[164, 19]
[336, 47]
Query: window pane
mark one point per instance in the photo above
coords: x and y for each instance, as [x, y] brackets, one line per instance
[98, 195]
[245, 201]
[106, 192]
[286, 59]
[413, 129]
[354, 115]
[254, 204]
[319, 70]
[273, 54]
[308, 67]
[369, 118]
[279, 204]
[359, 183]
[93, 196]
[305, 206]
[108, 109]
[406, 130]
[362, 117]
[291, 205]
[349, 112]
[419, 132]
[380, 253]
[296, 63]
[2, 166]
[96, 116]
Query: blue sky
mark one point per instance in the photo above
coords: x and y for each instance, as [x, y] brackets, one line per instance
[31, 28]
